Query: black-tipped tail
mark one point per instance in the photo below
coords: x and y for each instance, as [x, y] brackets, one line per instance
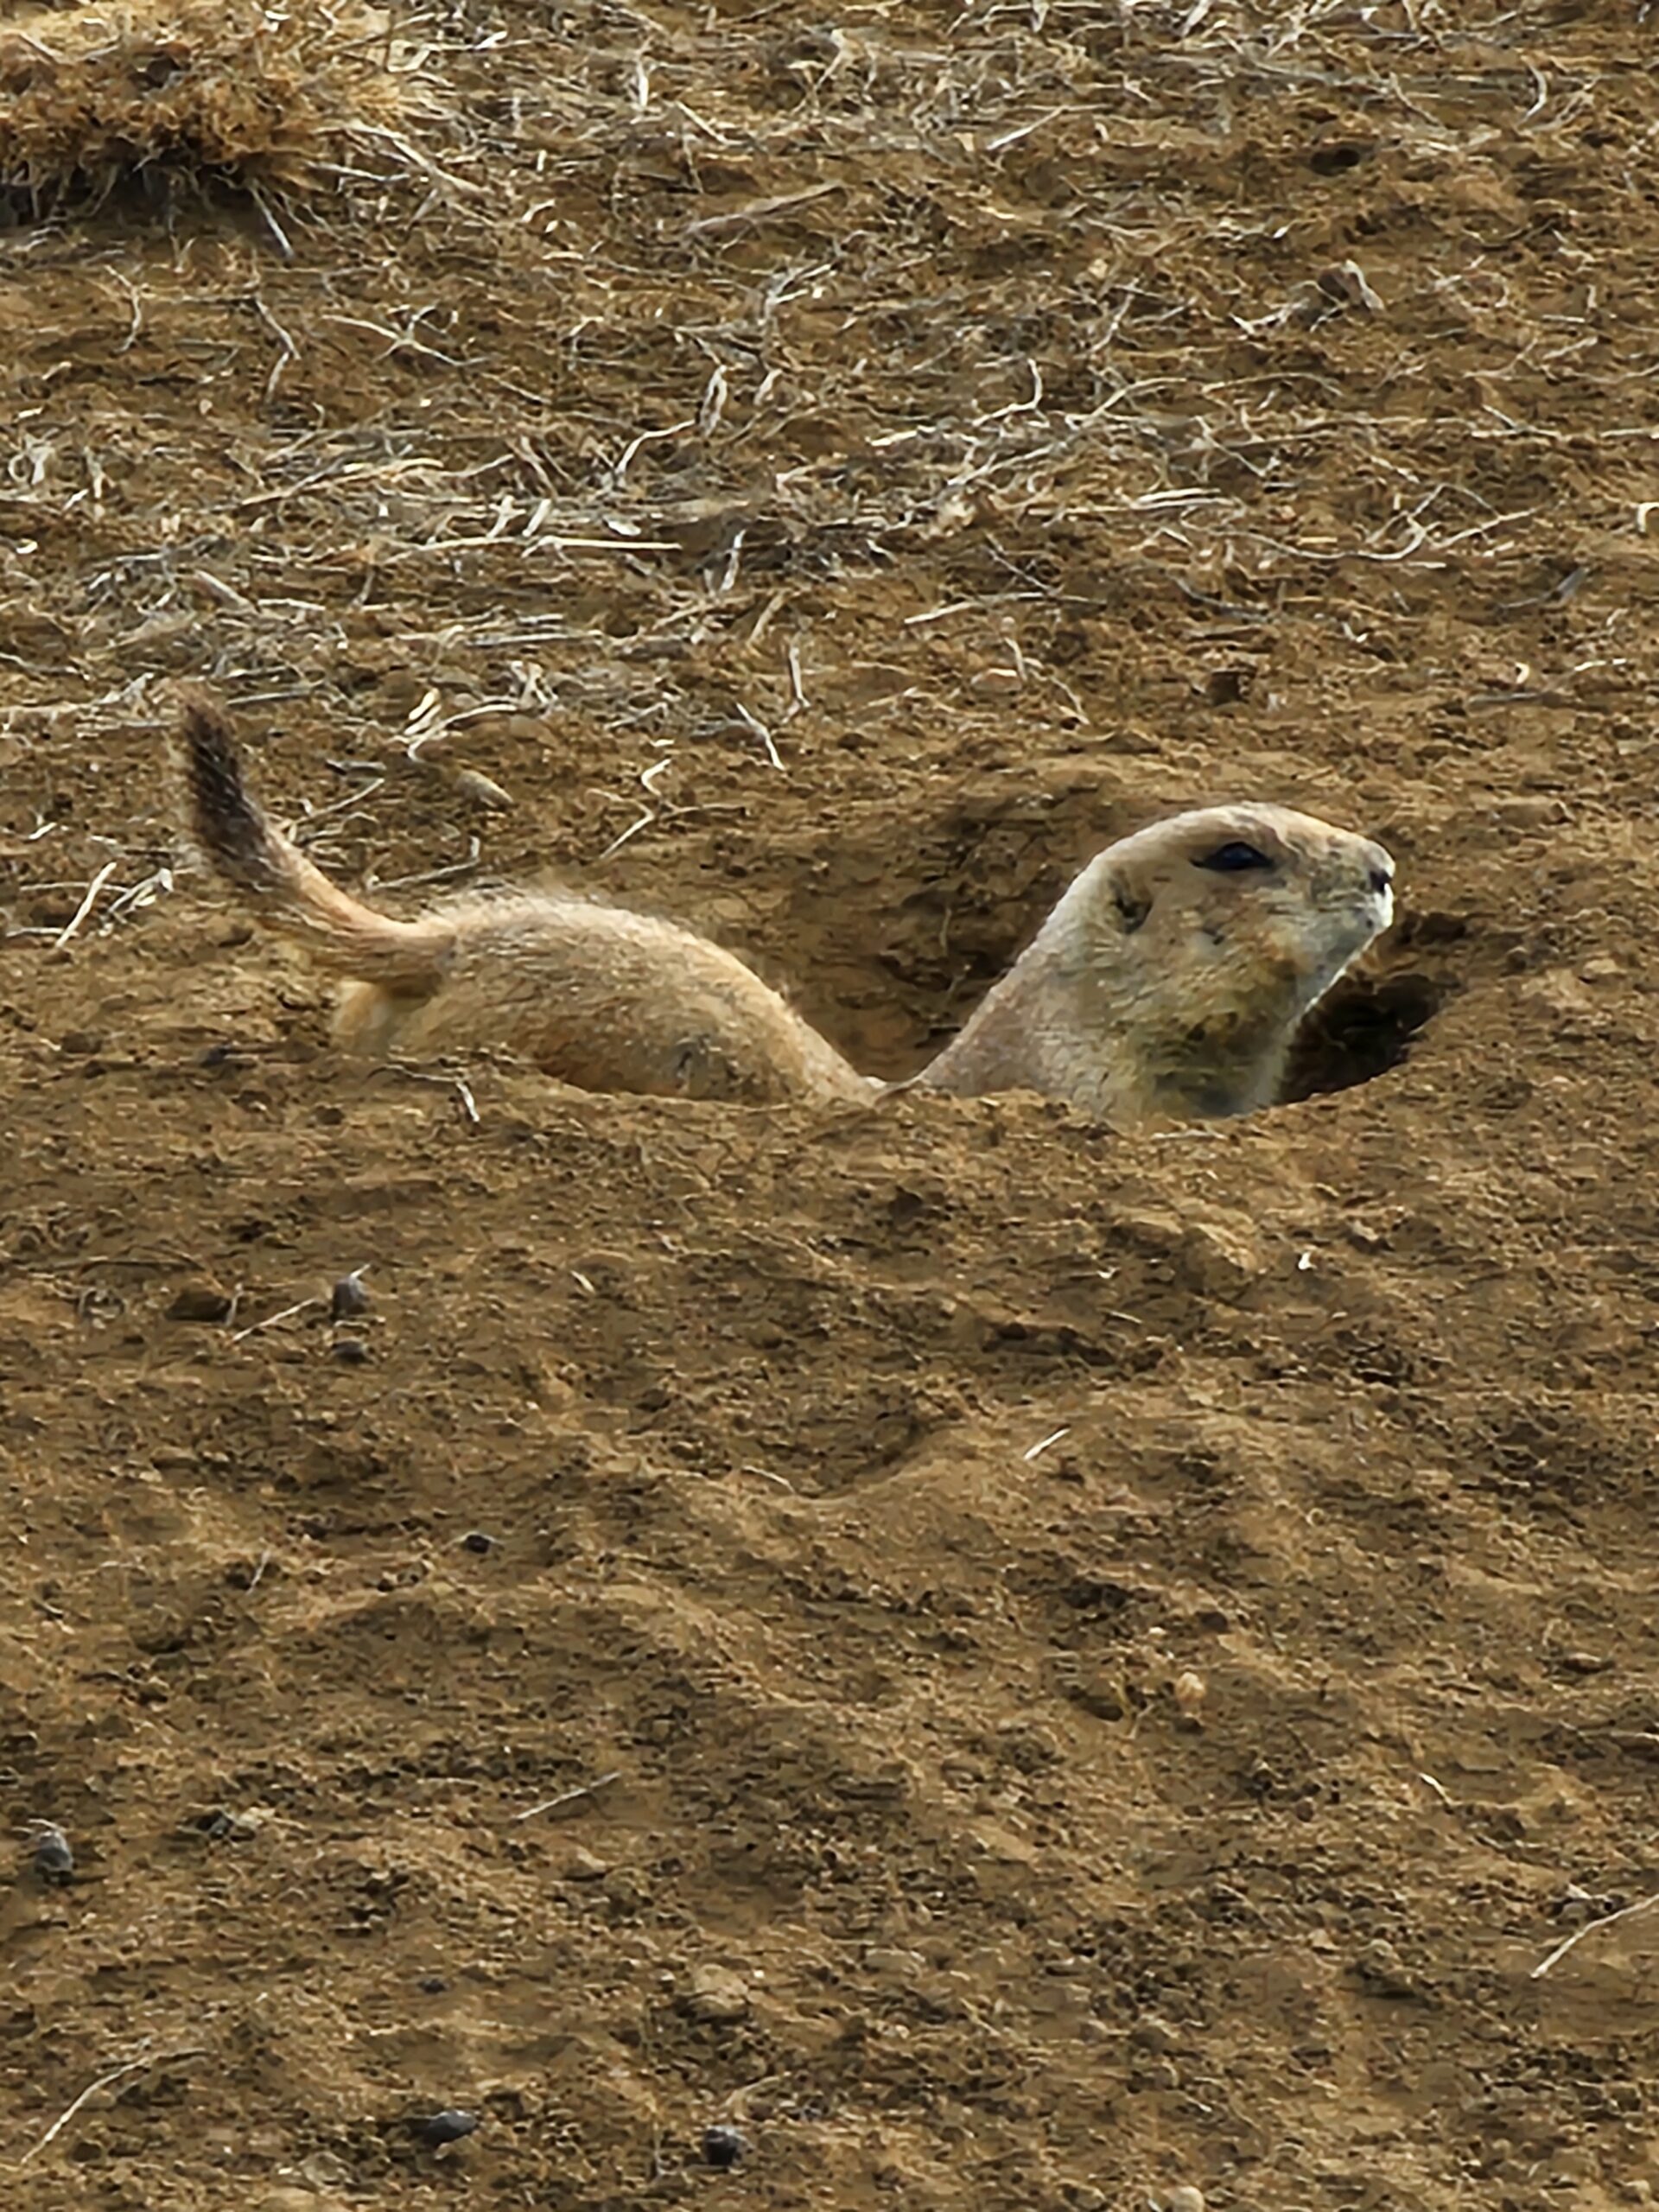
[225, 817]
[283, 887]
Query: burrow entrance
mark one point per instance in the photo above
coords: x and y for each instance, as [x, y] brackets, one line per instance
[1364, 1026]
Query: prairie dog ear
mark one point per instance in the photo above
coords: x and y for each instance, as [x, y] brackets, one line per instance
[1132, 903]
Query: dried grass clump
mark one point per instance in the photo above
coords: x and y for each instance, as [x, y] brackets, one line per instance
[202, 96]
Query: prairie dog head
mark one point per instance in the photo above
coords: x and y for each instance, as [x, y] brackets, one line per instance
[1214, 932]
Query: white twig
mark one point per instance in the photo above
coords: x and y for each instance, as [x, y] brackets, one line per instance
[753, 722]
[1043, 1443]
[271, 1320]
[73, 927]
[114, 2074]
[1591, 1928]
[569, 1796]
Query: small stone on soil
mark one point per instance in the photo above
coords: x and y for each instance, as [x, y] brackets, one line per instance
[716, 1995]
[348, 1297]
[447, 2127]
[53, 1860]
[721, 2146]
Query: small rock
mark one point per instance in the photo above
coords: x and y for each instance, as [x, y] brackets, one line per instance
[721, 2146]
[475, 1540]
[200, 1302]
[53, 1860]
[584, 1866]
[1529, 813]
[1381, 1965]
[1577, 1904]
[221, 1825]
[624, 1890]
[1153, 2034]
[323, 2171]
[1098, 1693]
[893, 1964]
[1185, 2199]
[1190, 1691]
[448, 2125]
[348, 1296]
[1225, 687]
[1218, 1262]
[350, 1351]
[716, 1995]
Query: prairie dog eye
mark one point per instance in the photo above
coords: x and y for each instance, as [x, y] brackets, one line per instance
[1233, 858]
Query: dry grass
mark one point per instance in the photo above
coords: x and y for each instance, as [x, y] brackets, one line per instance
[201, 96]
[760, 397]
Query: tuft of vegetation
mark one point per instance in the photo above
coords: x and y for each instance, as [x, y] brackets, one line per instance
[159, 98]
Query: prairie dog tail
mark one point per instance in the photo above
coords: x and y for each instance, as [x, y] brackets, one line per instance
[280, 885]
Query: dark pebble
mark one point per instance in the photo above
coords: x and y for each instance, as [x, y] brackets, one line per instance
[348, 1297]
[447, 2127]
[476, 1540]
[721, 2146]
[53, 1860]
[350, 1351]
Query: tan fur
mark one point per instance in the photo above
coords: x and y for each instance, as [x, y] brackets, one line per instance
[1159, 990]
[596, 996]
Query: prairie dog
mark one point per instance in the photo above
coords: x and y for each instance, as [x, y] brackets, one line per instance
[1167, 984]
[595, 996]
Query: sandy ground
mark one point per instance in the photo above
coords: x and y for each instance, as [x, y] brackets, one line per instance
[1068, 1668]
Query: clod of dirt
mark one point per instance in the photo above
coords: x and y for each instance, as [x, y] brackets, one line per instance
[721, 2146]
[716, 1996]
[448, 2125]
[53, 1860]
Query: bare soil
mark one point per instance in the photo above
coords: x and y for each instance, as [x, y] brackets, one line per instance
[1074, 1667]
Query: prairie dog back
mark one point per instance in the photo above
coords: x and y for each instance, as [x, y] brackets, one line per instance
[594, 995]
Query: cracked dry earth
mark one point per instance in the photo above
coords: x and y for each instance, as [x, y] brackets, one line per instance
[1069, 1669]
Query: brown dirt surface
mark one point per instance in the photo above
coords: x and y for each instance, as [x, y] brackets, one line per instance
[1075, 1669]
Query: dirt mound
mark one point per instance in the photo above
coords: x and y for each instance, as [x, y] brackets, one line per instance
[1009, 1667]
